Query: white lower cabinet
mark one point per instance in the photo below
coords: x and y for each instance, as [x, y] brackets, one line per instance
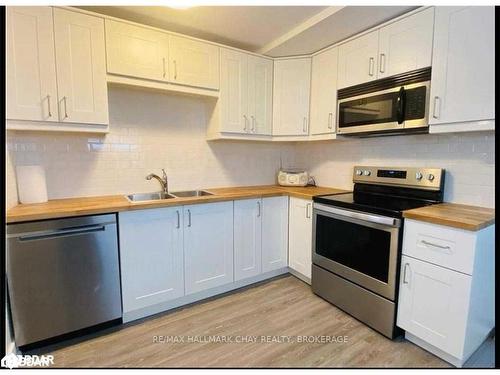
[208, 245]
[151, 256]
[247, 238]
[300, 236]
[274, 233]
[445, 305]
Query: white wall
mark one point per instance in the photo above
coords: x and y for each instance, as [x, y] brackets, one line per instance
[469, 160]
[150, 131]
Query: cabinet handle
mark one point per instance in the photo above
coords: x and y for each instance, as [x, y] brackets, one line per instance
[175, 69]
[253, 123]
[245, 123]
[371, 65]
[330, 118]
[304, 125]
[308, 213]
[189, 218]
[437, 104]
[178, 219]
[435, 245]
[164, 69]
[382, 63]
[404, 273]
[258, 208]
[48, 104]
[65, 108]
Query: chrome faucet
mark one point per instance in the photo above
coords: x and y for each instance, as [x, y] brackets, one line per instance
[163, 181]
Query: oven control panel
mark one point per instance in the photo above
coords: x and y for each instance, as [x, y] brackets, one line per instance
[423, 178]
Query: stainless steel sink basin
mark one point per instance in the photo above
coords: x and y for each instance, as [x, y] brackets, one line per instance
[148, 197]
[191, 193]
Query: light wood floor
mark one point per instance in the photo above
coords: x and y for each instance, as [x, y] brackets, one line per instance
[281, 307]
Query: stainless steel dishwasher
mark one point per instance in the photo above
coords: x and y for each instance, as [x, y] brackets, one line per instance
[63, 275]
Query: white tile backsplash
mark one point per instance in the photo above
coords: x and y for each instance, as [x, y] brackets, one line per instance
[150, 131]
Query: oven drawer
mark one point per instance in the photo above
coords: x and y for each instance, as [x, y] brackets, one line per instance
[447, 247]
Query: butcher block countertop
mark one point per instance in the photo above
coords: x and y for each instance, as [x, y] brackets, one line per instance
[454, 215]
[59, 208]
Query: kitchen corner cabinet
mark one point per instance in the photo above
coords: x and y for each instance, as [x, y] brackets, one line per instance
[151, 256]
[245, 93]
[247, 238]
[292, 84]
[208, 245]
[447, 288]
[274, 233]
[463, 66]
[56, 67]
[300, 236]
[324, 92]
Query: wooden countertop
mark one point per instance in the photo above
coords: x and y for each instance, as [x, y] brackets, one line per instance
[59, 208]
[454, 215]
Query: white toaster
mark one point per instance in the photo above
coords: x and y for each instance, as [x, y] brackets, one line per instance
[293, 177]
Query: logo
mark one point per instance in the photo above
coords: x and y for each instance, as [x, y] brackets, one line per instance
[13, 361]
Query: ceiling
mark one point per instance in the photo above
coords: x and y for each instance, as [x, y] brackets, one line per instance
[270, 30]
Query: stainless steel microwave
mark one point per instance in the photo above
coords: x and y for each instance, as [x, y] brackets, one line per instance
[397, 104]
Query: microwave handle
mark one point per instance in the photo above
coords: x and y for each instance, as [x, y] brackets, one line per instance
[400, 114]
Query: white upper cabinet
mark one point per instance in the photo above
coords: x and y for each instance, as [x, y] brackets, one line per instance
[358, 60]
[406, 45]
[463, 65]
[31, 65]
[81, 67]
[274, 233]
[260, 94]
[292, 84]
[151, 256]
[136, 51]
[300, 236]
[234, 92]
[247, 238]
[324, 92]
[193, 63]
[208, 246]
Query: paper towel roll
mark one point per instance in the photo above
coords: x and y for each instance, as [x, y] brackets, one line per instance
[31, 184]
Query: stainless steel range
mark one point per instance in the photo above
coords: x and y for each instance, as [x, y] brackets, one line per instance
[357, 240]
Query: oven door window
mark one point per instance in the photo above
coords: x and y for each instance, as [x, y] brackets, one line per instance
[377, 109]
[359, 247]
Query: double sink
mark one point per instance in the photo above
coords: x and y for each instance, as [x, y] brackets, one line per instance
[161, 195]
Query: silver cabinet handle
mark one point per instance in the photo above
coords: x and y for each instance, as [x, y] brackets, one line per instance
[48, 105]
[253, 123]
[189, 218]
[258, 208]
[437, 104]
[164, 69]
[245, 123]
[65, 107]
[175, 69]
[371, 65]
[308, 211]
[330, 118]
[304, 125]
[435, 245]
[407, 265]
[178, 219]
[382, 63]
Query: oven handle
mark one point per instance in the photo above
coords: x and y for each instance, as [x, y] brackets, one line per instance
[384, 220]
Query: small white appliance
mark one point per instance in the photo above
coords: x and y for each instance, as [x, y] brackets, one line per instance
[293, 177]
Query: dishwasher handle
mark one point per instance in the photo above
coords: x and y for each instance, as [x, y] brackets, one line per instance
[43, 235]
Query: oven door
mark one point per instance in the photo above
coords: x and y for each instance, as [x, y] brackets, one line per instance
[360, 247]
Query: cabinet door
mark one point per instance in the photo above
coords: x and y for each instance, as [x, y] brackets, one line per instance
[358, 60]
[463, 65]
[292, 82]
[208, 245]
[433, 304]
[81, 67]
[300, 236]
[406, 45]
[31, 64]
[324, 92]
[136, 51]
[260, 94]
[234, 92]
[274, 233]
[194, 63]
[151, 256]
[247, 238]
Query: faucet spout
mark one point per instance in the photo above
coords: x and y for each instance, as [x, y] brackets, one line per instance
[163, 181]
